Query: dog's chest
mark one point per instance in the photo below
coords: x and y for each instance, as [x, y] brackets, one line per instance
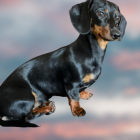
[88, 78]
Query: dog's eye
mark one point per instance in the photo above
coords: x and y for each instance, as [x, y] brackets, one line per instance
[118, 20]
[100, 14]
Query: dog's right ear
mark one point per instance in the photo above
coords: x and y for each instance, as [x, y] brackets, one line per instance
[122, 26]
[80, 18]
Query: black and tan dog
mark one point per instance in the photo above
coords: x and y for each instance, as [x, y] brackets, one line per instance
[66, 72]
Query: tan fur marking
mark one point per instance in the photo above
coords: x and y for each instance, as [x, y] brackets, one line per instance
[106, 10]
[48, 107]
[116, 12]
[40, 110]
[102, 43]
[74, 103]
[34, 95]
[36, 100]
[101, 34]
[75, 108]
[88, 78]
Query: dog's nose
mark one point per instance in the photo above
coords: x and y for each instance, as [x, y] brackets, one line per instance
[116, 35]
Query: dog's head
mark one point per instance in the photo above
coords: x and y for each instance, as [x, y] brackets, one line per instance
[101, 17]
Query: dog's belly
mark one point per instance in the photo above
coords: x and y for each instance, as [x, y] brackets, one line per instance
[48, 88]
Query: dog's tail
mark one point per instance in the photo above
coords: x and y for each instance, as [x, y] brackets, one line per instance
[16, 124]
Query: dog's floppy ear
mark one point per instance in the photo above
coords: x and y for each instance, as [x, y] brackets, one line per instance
[122, 26]
[80, 18]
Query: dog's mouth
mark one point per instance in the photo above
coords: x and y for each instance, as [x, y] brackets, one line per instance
[106, 39]
[102, 32]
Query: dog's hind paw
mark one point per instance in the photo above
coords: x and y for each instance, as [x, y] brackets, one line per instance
[52, 105]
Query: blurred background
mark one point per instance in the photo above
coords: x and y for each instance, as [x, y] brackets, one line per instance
[29, 28]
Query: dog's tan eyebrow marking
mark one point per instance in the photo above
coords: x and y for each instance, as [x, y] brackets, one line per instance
[88, 77]
[116, 12]
[106, 10]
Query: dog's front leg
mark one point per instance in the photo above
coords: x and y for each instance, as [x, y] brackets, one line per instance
[73, 97]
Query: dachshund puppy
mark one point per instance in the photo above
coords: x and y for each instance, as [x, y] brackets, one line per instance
[66, 72]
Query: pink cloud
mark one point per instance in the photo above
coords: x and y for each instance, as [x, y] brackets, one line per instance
[70, 130]
[9, 2]
[126, 60]
[61, 21]
[131, 90]
[7, 52]
[31, 134]
[90, 129]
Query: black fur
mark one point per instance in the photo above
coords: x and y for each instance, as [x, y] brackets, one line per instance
[60, 73]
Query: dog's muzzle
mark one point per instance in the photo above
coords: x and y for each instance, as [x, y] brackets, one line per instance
[115, 34]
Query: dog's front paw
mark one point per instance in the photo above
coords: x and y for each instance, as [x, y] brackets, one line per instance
[85, 95]
[78, 112]
[88, 96]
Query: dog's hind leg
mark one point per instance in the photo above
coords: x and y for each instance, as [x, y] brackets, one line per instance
[16, 103]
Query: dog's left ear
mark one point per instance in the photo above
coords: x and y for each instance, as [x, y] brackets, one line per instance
[122, 26]
[80, 18]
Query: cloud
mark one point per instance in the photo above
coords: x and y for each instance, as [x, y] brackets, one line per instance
[7, 52]
[132, 90]
[126, 60]
[9, 2]
[72, 130]
[123, 103]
